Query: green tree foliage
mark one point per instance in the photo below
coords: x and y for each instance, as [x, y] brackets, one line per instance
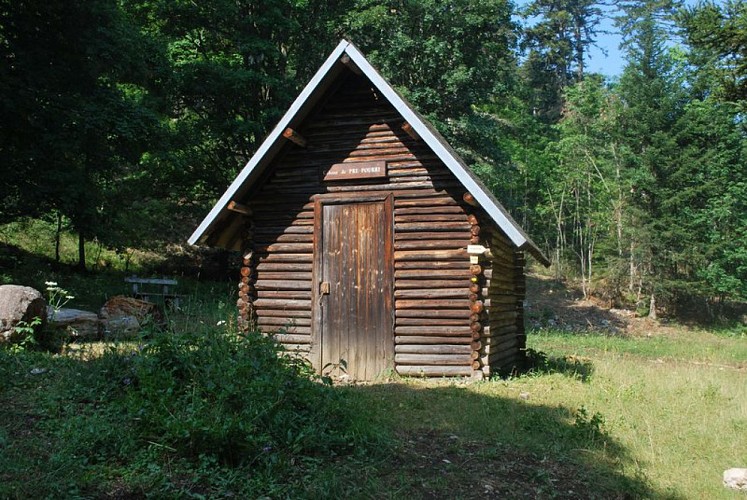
[227, 84]
[445, 56]
[75, 112]
[720, 33]
[584, 194]
[558, 39]
[707, 195]
[125, 120]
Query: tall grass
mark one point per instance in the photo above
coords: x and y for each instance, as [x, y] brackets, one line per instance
[180, 411]
[676, 403]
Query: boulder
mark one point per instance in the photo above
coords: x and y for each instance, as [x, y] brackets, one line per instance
[736, 479]
[19, 303]
[124, 316]
[80, 325]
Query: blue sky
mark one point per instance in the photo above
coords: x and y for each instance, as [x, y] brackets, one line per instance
[612, 63]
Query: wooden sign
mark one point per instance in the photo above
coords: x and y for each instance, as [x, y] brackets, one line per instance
[359, 170]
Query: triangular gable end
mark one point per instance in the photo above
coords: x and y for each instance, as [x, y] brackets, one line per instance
[306, 102]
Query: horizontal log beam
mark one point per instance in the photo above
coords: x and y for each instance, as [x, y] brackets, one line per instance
[283, 266]
[282, 313]
[284, 257]
[234, 206]
[426, 226]
[283, 276]
[282, 304]
[434, 371]
[421, 340]
[296, 348]
[282, 285]
[284, 338]
[432, 359]
[277, 320]
[427, 293]
[433, 330]
[431, 321]
[295, 137]
[426, 311]
[432, 349]
[423, 245]
[433, 304]
[448, 270]
[409, 130]
[438, 255]
[284, 294]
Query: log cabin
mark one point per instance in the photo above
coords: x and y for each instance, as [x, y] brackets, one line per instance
[368, 244]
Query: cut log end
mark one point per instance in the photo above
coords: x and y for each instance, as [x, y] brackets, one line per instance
[295, 137]
[470, 200]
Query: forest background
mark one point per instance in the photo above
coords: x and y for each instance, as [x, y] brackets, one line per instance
[123, 121]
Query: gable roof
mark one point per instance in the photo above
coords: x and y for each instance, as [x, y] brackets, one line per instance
[305, 103]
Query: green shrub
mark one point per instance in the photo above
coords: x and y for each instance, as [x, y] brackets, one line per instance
[231, 397]
[203, 413]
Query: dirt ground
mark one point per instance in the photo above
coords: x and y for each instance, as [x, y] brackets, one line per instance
[551, 303]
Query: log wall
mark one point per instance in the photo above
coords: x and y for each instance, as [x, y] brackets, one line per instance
[440, 322]
[503, 342]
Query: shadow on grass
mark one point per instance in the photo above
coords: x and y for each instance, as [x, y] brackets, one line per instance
[571, 366]
[466, 441]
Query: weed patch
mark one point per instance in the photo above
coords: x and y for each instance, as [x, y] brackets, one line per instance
[199, 413]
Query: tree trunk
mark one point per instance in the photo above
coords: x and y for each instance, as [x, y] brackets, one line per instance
[57, 236]
[578, 36]
[652, 308]
[81, 251]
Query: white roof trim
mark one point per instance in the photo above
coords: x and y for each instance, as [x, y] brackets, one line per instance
[431, 137]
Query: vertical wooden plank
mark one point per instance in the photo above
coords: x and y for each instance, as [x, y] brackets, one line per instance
[386, 345]
[356, 317]
[315, 353]
[331, 253]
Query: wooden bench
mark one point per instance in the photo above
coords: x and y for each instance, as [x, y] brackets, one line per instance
[150, 288]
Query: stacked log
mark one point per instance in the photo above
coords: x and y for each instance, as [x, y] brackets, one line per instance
[442, 319]
[432, 335]
[478, 327]
[502, 347]
[246, 319]
[520, 288]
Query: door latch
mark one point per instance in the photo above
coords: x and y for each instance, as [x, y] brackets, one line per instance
[324, 288]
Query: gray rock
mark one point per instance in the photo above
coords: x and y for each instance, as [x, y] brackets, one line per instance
[736, 479]
[83, 325]
[19, 303]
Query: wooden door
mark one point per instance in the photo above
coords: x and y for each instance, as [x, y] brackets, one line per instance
[354, 260]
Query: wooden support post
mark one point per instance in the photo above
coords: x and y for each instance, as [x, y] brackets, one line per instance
[410, 131]
[239, 208]
[295, 137]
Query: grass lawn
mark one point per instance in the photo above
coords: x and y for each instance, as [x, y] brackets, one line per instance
[604, 417]
[659, 417]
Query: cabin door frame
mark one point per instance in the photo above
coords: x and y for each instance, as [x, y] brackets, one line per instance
[321, 297]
